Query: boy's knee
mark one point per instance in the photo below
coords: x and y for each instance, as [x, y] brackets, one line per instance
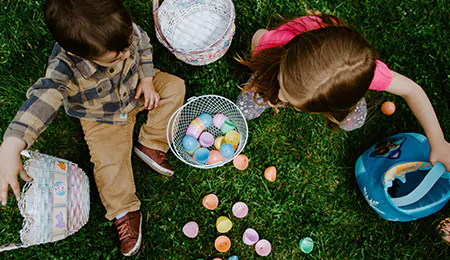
[177, 87]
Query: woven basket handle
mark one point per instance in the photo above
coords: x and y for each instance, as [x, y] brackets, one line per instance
[158, 25]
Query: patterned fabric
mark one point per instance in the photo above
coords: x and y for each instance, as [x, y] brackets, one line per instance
[55, 204]
[87, 90]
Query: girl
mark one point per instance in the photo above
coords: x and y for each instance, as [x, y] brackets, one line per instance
[318, 65]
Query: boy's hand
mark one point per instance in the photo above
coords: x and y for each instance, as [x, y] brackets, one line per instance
[10, 166]
[151, 97]
[441, 153]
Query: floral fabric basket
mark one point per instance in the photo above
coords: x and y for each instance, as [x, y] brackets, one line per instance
[55, 204]
[197, 32]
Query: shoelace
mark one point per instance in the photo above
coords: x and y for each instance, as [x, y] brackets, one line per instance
[123, 231]
[163, 156]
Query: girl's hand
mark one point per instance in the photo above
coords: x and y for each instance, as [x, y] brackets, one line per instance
[441, 153]
[10, 166]
[151, 97]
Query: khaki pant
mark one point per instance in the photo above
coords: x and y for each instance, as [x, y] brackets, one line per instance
[110, 146]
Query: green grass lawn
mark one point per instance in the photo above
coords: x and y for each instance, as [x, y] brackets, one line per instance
[315, 193]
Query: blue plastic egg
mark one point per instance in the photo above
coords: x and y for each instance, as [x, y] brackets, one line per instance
[206, 119]
[227, 150]
[233, 257]
[190, 144]
[201, 155]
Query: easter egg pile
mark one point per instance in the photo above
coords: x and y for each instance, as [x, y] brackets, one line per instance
[202, 145]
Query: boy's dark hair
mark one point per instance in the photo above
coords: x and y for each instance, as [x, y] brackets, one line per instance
[89, 28]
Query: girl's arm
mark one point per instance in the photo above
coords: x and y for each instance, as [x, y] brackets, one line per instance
[421, 107]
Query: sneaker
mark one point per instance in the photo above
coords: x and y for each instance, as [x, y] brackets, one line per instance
[444, 230]
[129, 230]
[156, 159]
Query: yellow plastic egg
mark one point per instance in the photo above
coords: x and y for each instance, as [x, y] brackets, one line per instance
[223, 224]
[218, 142]
[270, 173]
[233, 137]
[241, 162]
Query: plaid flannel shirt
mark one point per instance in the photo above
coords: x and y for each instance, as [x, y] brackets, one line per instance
[87, 90]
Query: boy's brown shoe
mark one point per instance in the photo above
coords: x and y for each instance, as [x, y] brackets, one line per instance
[156, 159]
[129, 229]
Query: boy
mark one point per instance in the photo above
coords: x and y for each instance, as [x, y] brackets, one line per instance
[101, 69]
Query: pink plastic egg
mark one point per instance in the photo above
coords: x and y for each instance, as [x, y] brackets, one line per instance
[263, 247]
[215, 157]
[240, 209]
[190, 229]
[241, 162]
[250, 236]
[194, 130]
[270, 173]
[206, 139]
[210, 201]
[218, 120]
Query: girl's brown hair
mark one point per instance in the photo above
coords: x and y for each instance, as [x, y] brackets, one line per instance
[324, 71]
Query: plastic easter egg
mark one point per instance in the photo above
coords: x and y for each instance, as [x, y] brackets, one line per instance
[206, 118]
[388, 108]
[210, 201]
[222, 244]
[239, 209]
[227, 126]
[263, 247]
[306, 244]
[206, 139]
[233, 257]
[215, 157]
[241, 162]
[190, 229]
[227, 150]
[250, 236]
[270, 173]
[201, 155]
[218, 120]
[190, 144]
[233, 137]
[194, 130]
[217, 258]
[219, 141]
[223, 224]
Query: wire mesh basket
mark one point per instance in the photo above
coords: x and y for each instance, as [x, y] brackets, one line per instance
[197, 32]
[55, 204]
[211, 104]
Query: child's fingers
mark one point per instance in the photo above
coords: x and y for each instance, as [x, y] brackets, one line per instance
[138, 92]
[15, 186]
[3, 193]
[157, 99]
[25, 176]
[150, 103]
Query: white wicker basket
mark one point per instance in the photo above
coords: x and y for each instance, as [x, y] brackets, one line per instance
[212, 105]
[197, 32]
[55, 204]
